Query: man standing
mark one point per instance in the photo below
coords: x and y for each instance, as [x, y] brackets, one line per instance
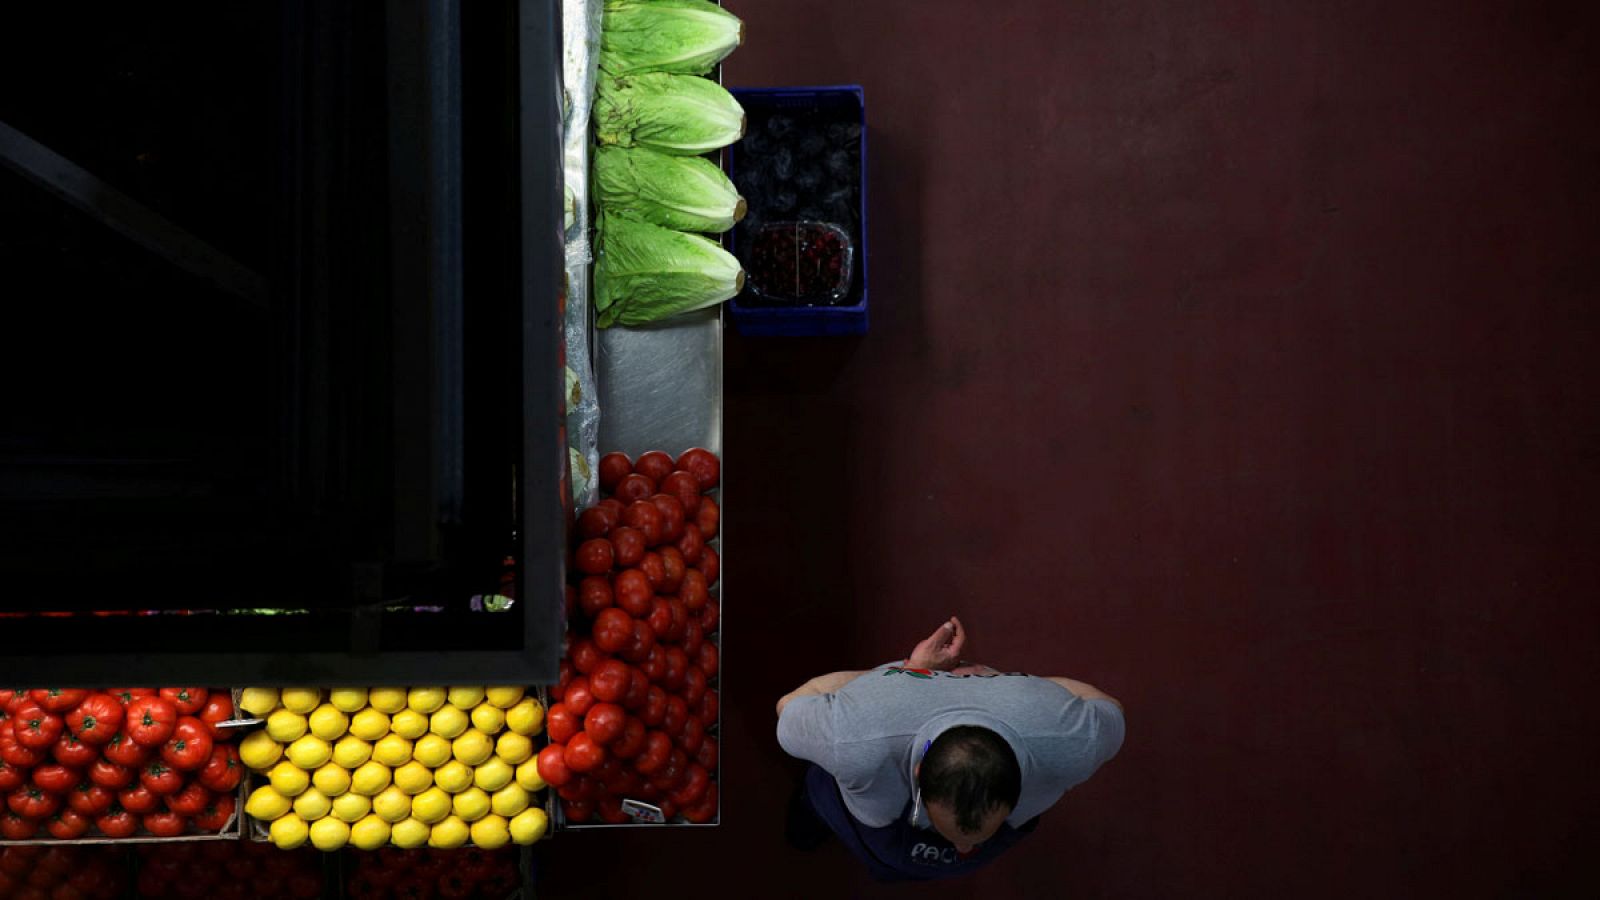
[933, 767]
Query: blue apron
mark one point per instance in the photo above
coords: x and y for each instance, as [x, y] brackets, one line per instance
[900, 851]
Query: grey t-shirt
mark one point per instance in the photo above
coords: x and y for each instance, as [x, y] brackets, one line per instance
[869, 734]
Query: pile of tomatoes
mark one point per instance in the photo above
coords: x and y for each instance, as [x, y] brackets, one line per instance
[635, 705]
[229, 870]
[116, 763]
[455, 874]
[62, 873]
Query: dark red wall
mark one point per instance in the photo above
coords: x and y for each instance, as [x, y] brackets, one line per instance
[1239, 358]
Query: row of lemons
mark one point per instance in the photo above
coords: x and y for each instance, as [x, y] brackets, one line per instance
[408, 767]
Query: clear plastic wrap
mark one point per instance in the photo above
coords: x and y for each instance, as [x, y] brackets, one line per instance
[580, 42]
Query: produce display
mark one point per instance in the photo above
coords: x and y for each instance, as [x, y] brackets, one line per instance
[654, 116]
[87, 873]
[118, 763]
[462, 874]
[635, 707]
[391, 765]
[800, 262]
[229, 870]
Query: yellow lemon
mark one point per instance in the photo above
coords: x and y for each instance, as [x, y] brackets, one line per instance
[259, 751]
[284, 726]
[448, 722]
[488, 719]
[471, 804]
[351, 808]
[448, 834]
[300, 700]
[266, 803]
[465, 698]
[425, 699]
[512, 747]
[387, 700]
[528, 775]
[509, 800]
[348, 699]
[504, 697]
[328, 723]
[329, 834]
[392, 805]
[431, 750]
[332, 779]
[527, 717]
[409, 724]
[289, 779]
[393, 750]
[408, 833]
[491, 832]
[473, 747]
[351, 751]
[413, 778]
[369, 724]
[309, 752]
[453, 777]
[370, 833]
[288, 831]
[369, 779]
[312, 805]
[430, 806]
[529, 825]
[258, 702]
[493, 775]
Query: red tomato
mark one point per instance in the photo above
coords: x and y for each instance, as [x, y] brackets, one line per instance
[108, 774]
[672, 569]
[17, 828]
[668, 809]
[35, 728]
[654, 465]
[191, 801]
[708, 754]
[710, 565]
[13, 752]
[670, 776]
[67, 825]
[692, 544]
[638, 689]
[694, 786]
[655, 706]
[683, 486]
[708, 517]
[138, 799]
[561, 723]
[634, 592]
[69, 751]
[660, 618]
[552, 765]
[638, 649]
[677, 712]
[679, 625]
[632, 489]
[703, 465]
[11, 777]
[223, 771]
[585, 656]
[693, 636]
[190, 745]
[125, 751]
[579, 697]
[613, 629]
[643, 515]
[657, 749]
[90, 799]
[653, 570]
[188, 700]
[577, 810]
[613, 468]
[655, 663]
[711, 616]
[692, 736]
[150, 721]
[615, 506]
[672, 516]
[631, 743]
[218, 709]
[584, 753]
[610, 679]
[57, 700]
[216, 814]
[595, 556]
[164, 824]
[594, 595]
[628, 545]
[559, 689]
[693, 591]
[18, 698]
[117, 823]
[56, 778]
[32, 803]
[609, 809]
[706, 810]
[709, 707]
[96, 719]
[710, 659]
[676, 664]
[694, 685]
[161, 779]
[128, 695]
[604, 723]
[596, 522]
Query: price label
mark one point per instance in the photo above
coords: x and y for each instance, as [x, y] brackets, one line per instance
[643, 812]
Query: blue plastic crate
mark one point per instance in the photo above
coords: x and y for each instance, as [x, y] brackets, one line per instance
[760, 320]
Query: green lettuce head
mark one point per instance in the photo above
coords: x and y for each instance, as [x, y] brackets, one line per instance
[688, 193]
[645, 273]
[687, 37]
[680, 115]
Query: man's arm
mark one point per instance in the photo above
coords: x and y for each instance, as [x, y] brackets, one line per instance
[1085, 691]
[822, 684]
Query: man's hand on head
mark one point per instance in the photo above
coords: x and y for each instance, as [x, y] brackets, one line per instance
[941, 651]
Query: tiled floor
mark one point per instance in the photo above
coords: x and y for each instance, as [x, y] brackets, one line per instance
[1239, 358]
